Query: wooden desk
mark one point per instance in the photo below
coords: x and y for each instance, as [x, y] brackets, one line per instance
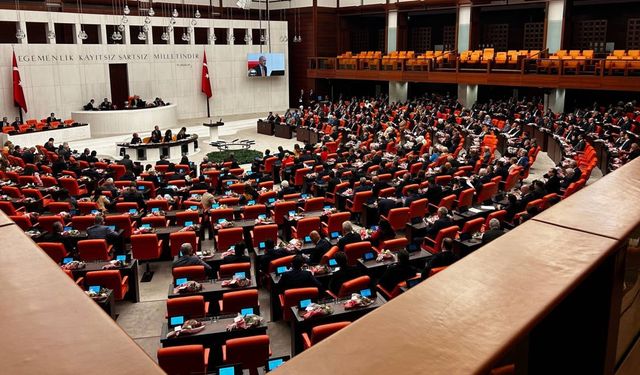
[340, 314]
[302, 134]
[213, 336]
[130, 270]
[375, 269]
[265, 127]
[108, 304]
[212, 291]
[314, 137]
[275, 310]
[283, 131]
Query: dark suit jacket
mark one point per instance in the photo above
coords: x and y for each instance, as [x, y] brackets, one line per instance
[297, 279]
[352, 237]
[491, 235]
[439, 225]
[269, 256]
[101, 232]
[236, 259]
[343, 274]
[259, 71]
[317, 252]
[192, 260]
[395, 274]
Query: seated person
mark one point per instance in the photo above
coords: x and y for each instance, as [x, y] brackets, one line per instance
[89, 106]
[189, 258]
[297, 277]
[348, 236]
[56, 236]
[239, 255]
[442, 222]
[100, 231]
[52, 118]
[135, 139]
[400, 271]
[285, 189]
[344, 273]
[493, 232]
[156, 135]
[270, 253]
[182, 134]
[322, 245]
[105, 105]
[383, 233]
[131, 194]
[446, 257]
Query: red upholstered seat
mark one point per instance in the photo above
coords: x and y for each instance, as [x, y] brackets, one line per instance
[110, 279]
[196, 273]
[321, 332]
[92, 250]
[234, 302]
[291, 297]
[54, 250]
[190, 307]
[252, 352]
[184, 360]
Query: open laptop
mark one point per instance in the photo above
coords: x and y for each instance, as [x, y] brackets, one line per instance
[247, 311]
[280, 270]
[368, 292]
[369, 255]
[176, 321]
[181, 281]
[94, 288]
[276, 362]
[229, 370]
[335, 235]
[302, 304]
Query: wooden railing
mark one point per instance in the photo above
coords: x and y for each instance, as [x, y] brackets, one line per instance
[49, 325]
[546, 297]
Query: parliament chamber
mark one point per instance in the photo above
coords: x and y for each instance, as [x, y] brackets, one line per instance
[377, 187]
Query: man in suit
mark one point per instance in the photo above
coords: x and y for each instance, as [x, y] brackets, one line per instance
[4, 122]
[239, 255]
[52, 118]
[493, 232]
[188, 258]
[364, 186]
[442, 222]
[16, 123]
[89, 106]
[156, 135]
[270, 253]
[445, 257]
[105, 105]
[163, 160]
[100, 231]
[56, 236]
[344, 273]
[400, 271]
[322, 245]
[348, 236]
[133, 195]
[127, 162]
[553, 182]
[297, 277]
[260, 69]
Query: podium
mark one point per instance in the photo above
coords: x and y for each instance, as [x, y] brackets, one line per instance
[302, 134]
[283, 131]
[265, 127]
[213, 129]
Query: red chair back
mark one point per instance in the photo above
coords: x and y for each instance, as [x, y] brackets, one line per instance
[176, 239]
[183, 360]
[306, 226]
[291, 297]
[252, 212]
[93, 250]
[121, 222]
[319, 333]
[155, 221]
[22, 221]
[46, 222]
[110, 279]
[354, 286]
[196, 273]
[398, 217]
[252, 352]
[472, 226]
[190, 307]
[447, 201]
[183, 217]
[418, 208]
[465, 199]
[262, 233]
[354, 251]
[280, 209]
[145, 246]
[228, 237]
[314, 204]
[54, 250]
[334, 222]
[234, 302]
[359, 199]
[157, 203]
[227, 271]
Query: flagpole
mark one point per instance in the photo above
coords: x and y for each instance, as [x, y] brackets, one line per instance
[13, 52]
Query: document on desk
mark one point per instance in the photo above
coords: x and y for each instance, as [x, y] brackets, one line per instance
[488, 208]
[474, 210]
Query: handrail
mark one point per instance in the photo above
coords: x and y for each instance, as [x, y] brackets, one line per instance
[49, 325]
[467, 318]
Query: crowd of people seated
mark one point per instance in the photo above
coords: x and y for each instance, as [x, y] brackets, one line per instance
[17, 126]
[429, 164]
[132, 102]
[158, 137]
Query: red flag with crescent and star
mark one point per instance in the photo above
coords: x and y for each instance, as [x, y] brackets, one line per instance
[206, 85]
[18, 94]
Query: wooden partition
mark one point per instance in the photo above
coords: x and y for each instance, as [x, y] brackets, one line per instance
[545, 296]
[49, 326]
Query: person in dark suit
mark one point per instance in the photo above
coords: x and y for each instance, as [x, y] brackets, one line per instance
[348, 236]
[400, 271]
[135, 139]
[344, 273]
[99, 231]
[260, 70]
[188, 258]
[493, 232]
[133, 195]
[56, 236]
[127, 162]
[364, 186]
[270, 253]
[89, 106]
[322, 245]
[239, 255]
[442, 222]
[163, 160]
[156, 135]
[444, 258]
[297, 277]
[553, 182]
[52, 118]
[385, 205]
[105, 105]
[285, 189]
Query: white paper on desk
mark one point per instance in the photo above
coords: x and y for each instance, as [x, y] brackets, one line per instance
[487, 207]
[475, 210]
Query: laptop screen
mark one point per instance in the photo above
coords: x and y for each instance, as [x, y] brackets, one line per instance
[335, 235]
[280, 270]
[369, 255]
[240, 275]
[220, 221]
[155, 209]
[251, 203]
[133, 211]
[228, 370]
[94, 212]
[304, 303]
[292, 213]
[272, 200]
[188, 223]
[247, 311]
[413, 282]
[229, 183]
[304, 196]
[274, 363]
[94, 288]
[261, 245]
[176, 320]
[67, 260]
[365, 292]
[66, 229]
[327, 207]
[181, 281]
[122, 258]
[332, 262]
[112, 227]
[145, 226]
[193, 208]
[140, 187]
[307, 239]
[215, 205]
[262, 216]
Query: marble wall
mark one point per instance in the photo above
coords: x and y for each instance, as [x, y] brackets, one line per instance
[62, 78]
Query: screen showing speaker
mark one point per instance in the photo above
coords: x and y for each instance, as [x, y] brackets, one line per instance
[265, 64]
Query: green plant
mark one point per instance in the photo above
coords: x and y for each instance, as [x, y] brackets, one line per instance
[241, 156]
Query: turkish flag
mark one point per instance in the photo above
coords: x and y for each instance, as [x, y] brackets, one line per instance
[18, 94]
[206, 85]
